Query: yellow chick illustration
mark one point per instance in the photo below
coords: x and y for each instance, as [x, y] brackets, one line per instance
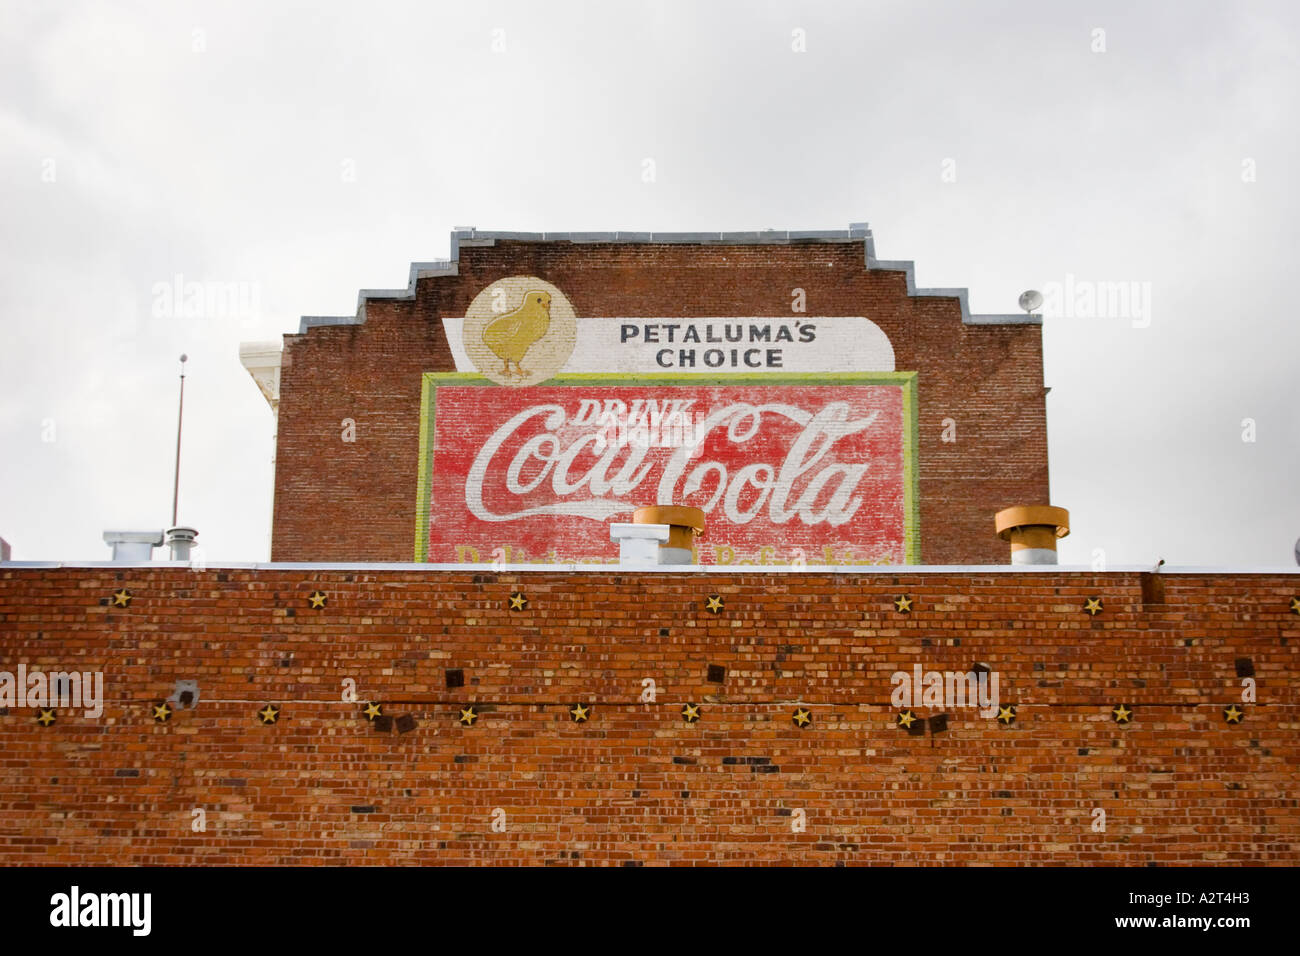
[511, 336]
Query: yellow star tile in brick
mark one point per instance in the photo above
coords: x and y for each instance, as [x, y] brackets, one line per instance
[1295, 605]
[1092, 606]
[802, 717]
[467, 716]
[905, 719]
[579, 713]
[518, 602]
[45, 718]
[373, 710]
[269, 714]
[317, 600]
[122, 598]
[1233, 714]
[691, 713]
[1122, 714]
[903, 603]
[714, 604]
[162, 712]
[1007, 714]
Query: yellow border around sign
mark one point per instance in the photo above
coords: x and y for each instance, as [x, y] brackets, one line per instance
[430, 381]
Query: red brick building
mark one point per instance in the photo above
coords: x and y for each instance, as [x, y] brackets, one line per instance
[1170, 781]
[506, 702]
[697, 320]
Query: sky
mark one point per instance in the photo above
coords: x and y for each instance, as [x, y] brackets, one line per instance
[304, 151]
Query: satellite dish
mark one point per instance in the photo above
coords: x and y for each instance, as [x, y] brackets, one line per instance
[1297, 550]
[1031, 300]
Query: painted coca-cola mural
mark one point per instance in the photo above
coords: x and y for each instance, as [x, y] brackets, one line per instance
[794, 434]
[788, 468]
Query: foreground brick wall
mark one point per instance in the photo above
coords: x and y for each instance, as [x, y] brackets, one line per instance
[636, 784]
[355, 501]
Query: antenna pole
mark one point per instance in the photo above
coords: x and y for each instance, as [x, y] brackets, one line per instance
[180, 415]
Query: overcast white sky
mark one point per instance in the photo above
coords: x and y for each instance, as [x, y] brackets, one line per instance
[313, 149]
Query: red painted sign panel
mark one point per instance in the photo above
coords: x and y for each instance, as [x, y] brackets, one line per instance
[816, 469]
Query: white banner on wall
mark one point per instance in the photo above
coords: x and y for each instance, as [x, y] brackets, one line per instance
[633, 346]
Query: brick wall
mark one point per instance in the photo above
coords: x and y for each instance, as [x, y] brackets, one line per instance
[636, 784]
[355, 501]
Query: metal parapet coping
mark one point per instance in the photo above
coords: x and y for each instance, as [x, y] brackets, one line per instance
[857, 232]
